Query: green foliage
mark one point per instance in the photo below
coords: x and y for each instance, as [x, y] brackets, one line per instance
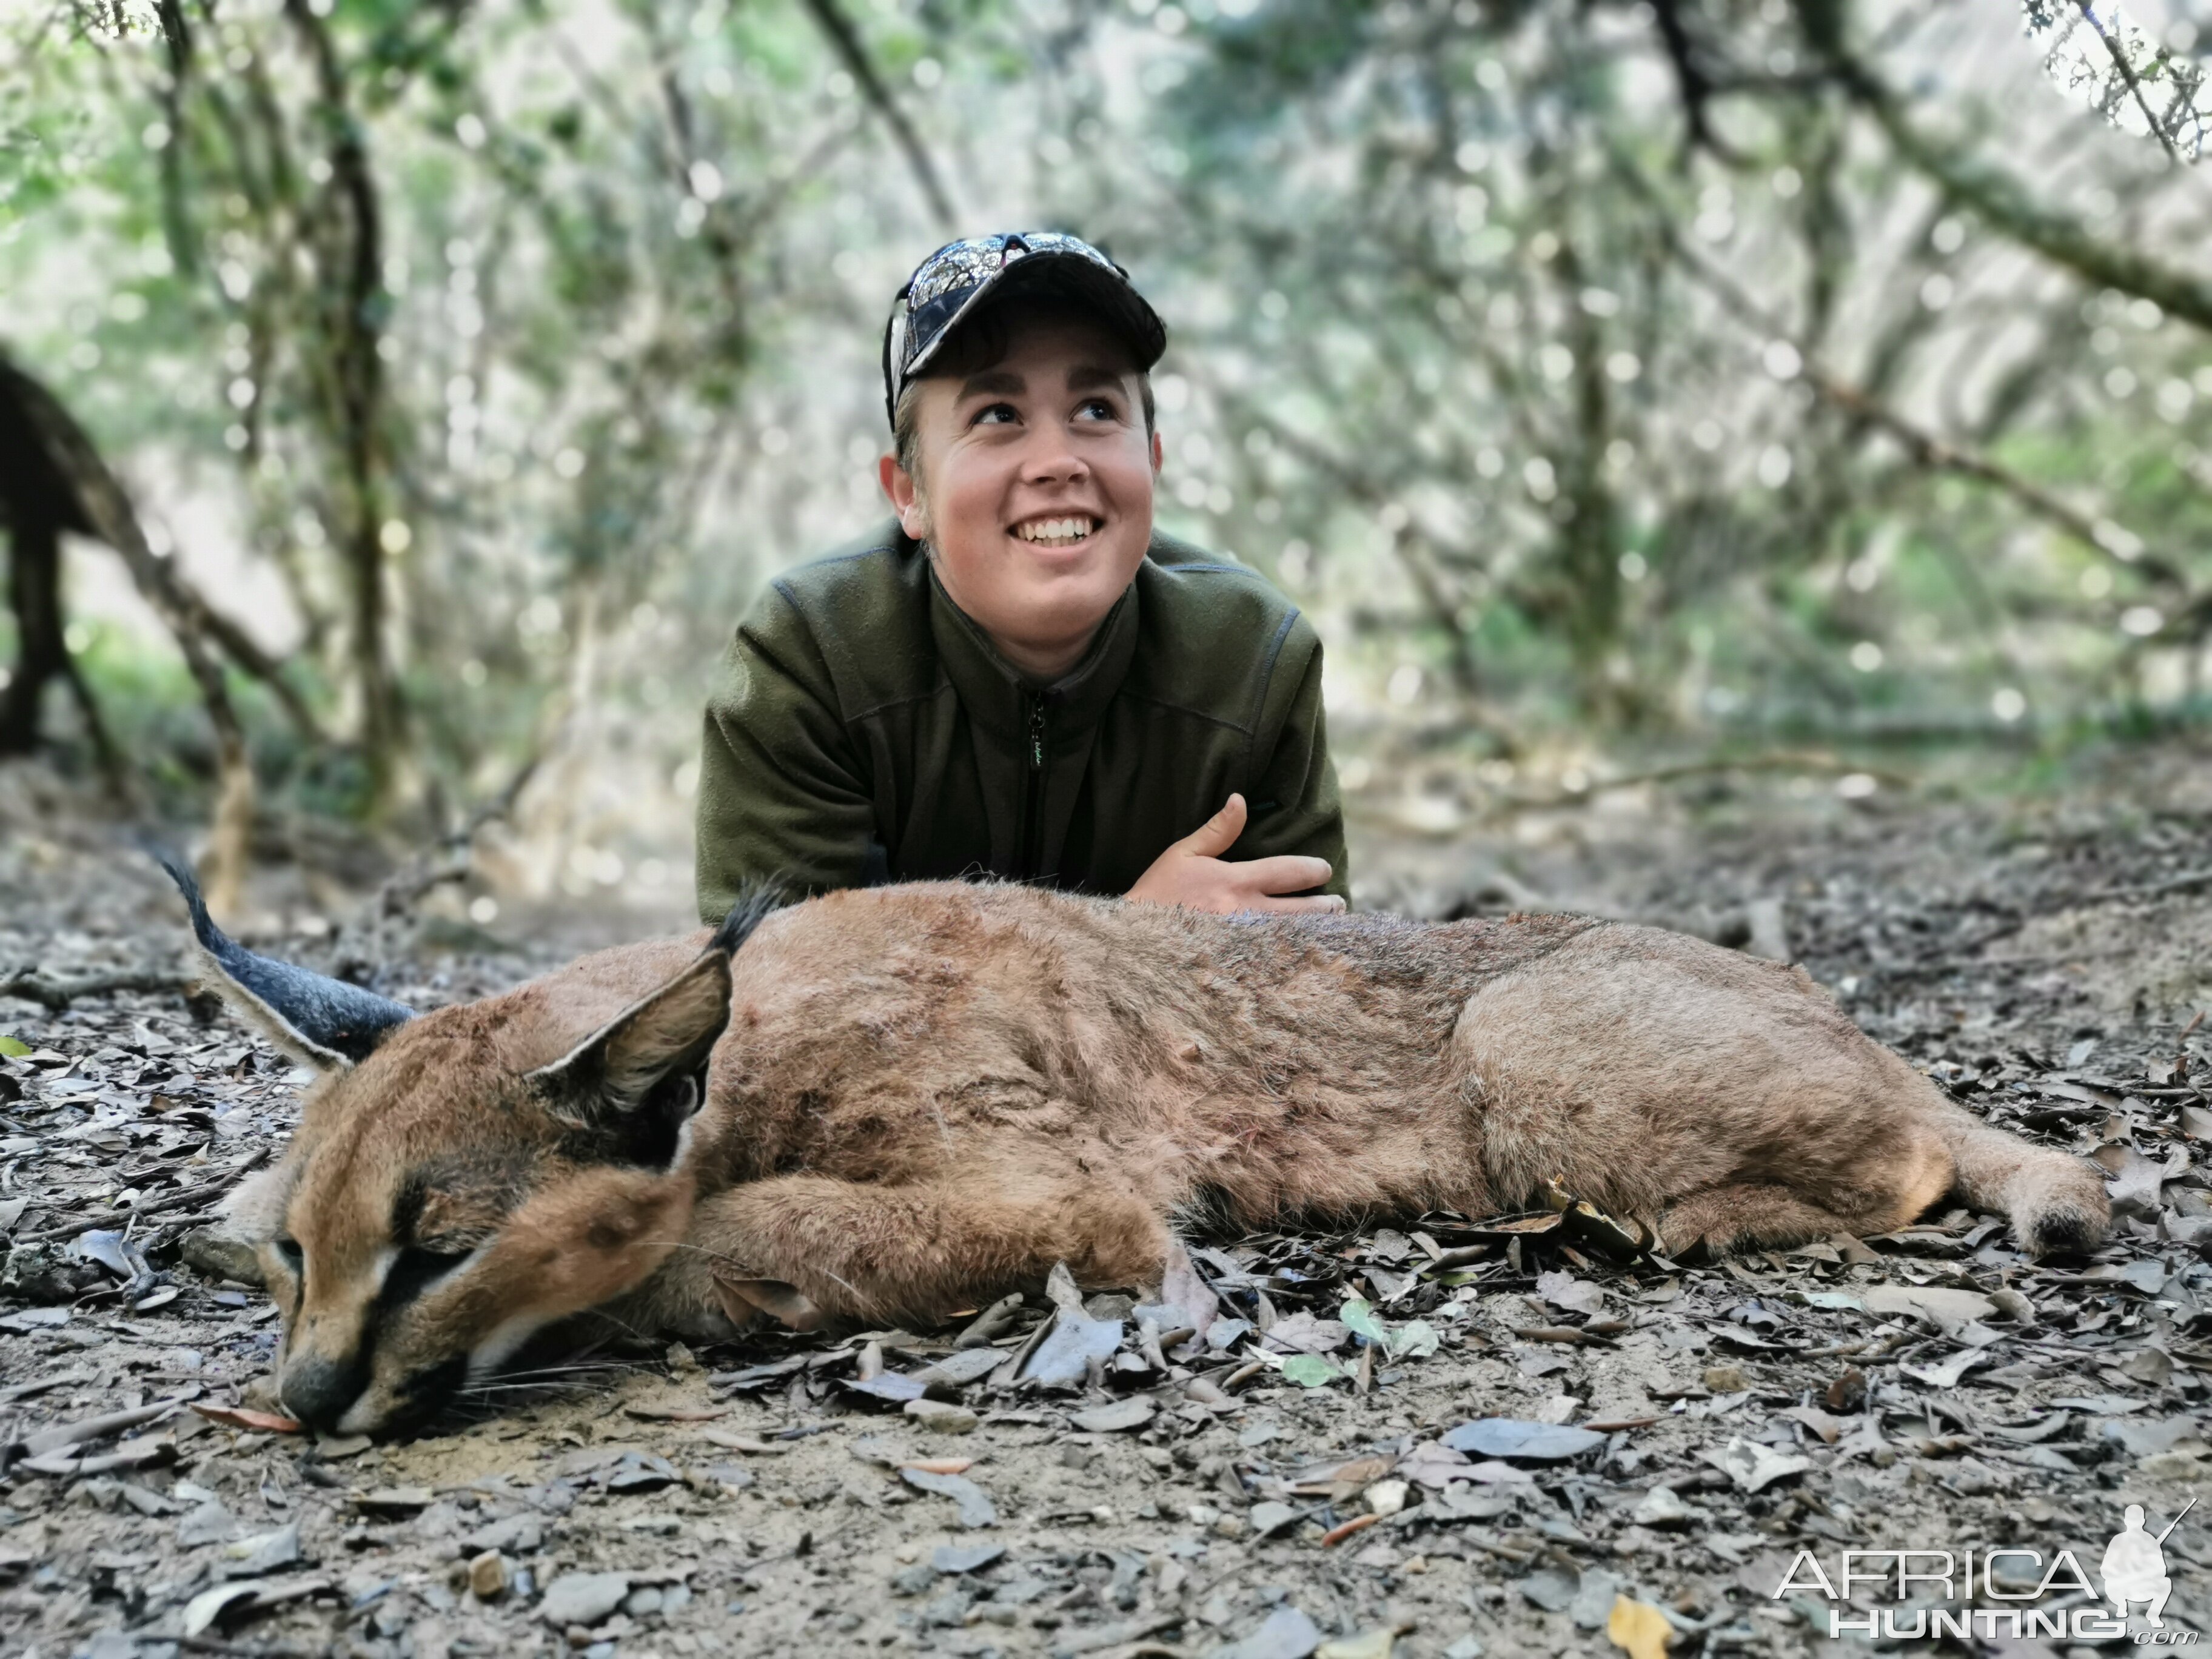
[1567, 401]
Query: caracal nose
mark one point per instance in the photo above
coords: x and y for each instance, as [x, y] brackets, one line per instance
[317, 1391]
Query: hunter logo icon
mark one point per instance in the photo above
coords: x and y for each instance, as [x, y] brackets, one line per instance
[2134, 1567]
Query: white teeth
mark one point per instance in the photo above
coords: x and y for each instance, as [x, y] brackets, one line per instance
[1056, 530]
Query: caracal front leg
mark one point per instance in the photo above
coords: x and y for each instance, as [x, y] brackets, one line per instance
[918, 1251]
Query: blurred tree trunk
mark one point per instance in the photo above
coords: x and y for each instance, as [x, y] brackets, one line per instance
[52, 479]
[35, 580]
[345, 230]
[37, 504]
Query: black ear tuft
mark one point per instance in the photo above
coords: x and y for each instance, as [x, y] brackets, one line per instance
[324, 1021]
[754, 905]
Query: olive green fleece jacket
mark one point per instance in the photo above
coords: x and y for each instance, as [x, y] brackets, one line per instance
[865, 730]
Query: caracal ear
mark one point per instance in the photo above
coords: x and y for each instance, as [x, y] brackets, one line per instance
[633, 1084]
[327, 1023]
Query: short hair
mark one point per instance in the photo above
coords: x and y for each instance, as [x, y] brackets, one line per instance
[981, 341]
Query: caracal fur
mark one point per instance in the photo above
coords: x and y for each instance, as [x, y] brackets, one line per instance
[895, 1103]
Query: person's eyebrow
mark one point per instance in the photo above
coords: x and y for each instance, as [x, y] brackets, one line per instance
[1088, 377]
[1000, 381]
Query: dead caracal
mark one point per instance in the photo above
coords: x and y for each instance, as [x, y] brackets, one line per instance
[896, 1103]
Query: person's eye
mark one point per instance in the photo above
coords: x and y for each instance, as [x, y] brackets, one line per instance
[996, 414]
[1098, 409]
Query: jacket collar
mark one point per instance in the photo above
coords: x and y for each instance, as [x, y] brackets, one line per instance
[994, 694]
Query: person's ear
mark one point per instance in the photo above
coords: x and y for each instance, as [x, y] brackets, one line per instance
[905, 496]
[1159, 452]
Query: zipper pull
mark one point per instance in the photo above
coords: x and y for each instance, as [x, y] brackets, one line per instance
[1036, 736]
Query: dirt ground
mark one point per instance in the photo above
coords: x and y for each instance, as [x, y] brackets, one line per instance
[1432, 1439]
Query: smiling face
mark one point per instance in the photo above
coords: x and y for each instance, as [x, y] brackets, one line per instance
[1032, 484]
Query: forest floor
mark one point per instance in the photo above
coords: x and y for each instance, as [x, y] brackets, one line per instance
[1592, 1454]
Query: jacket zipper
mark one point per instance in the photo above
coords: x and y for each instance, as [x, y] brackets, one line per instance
[1033, 809]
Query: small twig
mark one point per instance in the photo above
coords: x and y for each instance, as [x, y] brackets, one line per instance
[2119, 55]
[2183, 883]
[56, 993]
[210, 1644]
[176, 1200]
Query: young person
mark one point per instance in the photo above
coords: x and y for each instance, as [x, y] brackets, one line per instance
[1019, 677]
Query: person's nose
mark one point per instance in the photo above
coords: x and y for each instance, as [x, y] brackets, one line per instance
[1051, 458]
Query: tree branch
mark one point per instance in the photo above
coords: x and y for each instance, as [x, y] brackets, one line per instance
[1997, 198]
[56, 992]
[845, 40]
[1927, 448]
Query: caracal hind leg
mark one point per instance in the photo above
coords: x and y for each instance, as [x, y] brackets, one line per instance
[1751, 1218]
[1652, 1073]
[921, 1250]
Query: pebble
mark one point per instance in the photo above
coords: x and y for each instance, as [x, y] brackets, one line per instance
[1661, 1507]
[1386, 1497]
[487, 1576]
[582, 1598]
[941, 1417]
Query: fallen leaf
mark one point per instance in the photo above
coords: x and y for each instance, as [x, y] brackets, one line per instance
[1947, 1309]
[1947, 1375]
[2136, 1182]
[958, 1369]
[973, 1503]
[1414, 1339]
[1312, 1370]
[1381, 1642]
[1538, 1443]
[1337, 1534]
[1181, 1287]
[1814, 1418]
[1752, 1467]
[676, 1413]
[895, 1387]
[1638, 1629]
[1564, 1290]
[1285, 1633]
[242, 1417]
[1552, 1590]
[204, 1609]
[1119, 1416]
[1064, 1358]
[1359, 1316]
[964, 1558]
[1302, 1333]
[1848, 1393]
[1662, 1507]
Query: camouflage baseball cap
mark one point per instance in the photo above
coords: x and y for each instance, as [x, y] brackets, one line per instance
[947, 287]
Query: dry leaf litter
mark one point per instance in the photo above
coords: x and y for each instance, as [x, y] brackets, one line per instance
[1451, 1436]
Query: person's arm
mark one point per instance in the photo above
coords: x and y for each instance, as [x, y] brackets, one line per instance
[1285, 850]
[1294, 806]
[783, 800]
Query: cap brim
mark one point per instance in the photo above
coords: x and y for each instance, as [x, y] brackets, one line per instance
[1064, 275]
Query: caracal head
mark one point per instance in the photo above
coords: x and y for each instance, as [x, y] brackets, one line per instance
[462, 1178]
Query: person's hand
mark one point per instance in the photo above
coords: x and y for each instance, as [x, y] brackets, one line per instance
[1193, 872]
